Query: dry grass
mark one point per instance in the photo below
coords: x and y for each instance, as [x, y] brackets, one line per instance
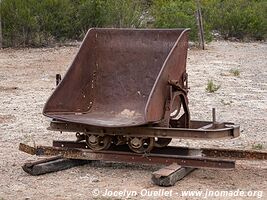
[235, 72]
[212, 87]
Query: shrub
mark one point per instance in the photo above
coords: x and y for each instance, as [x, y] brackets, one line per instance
[55, 17]
[239, 18]
[123, 13]
[89, 14]
[38, 22]
[177, 14]
[29, 22]
[18, 22]
[106, 13]
[235, 72]
[212, 87]
[257, 146]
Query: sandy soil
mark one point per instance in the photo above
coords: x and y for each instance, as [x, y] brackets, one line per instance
[27, 78]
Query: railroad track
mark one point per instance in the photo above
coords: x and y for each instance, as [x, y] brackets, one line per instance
[179, 161]
[189, 157]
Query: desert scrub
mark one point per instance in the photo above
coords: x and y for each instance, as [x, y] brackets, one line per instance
[226, 103]
[43, 22]
[257, 146]
[240, 19]
[235, 72]
[212, 87]
[177, 14]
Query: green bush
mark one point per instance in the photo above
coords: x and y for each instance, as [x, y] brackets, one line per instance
[212, 87]
[41, 22]
[89, 13]
[123, 13]
[55, 18]
[18, 22]
[239, 18]
[33, 22]
[177, 14]
[106, 13]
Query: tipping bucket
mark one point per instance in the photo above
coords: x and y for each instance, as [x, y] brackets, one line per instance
[119, 77]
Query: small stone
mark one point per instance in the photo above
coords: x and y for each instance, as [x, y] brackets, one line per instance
[95, 180]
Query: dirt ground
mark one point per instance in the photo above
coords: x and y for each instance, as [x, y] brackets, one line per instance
[27, 78]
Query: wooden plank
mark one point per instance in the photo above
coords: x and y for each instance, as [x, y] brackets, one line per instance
[169, 175]
[30, 164]
[51, 165]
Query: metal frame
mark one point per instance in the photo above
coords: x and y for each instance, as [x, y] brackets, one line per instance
[197, 130]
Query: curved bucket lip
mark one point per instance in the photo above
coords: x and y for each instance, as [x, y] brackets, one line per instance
[141, 29]
[137, 123]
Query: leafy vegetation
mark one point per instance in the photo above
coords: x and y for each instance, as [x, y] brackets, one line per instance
[257, 146]
[212, 87]
[35, 22]
[29, 22]
[42, 22]
[235, 72]
[173, 14]
[240, 18]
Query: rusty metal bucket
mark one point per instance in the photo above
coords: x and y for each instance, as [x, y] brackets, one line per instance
[119, 77]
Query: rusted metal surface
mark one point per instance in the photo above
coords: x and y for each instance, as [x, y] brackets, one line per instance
[123, 156]
[120, 78]
[183, 156]
[197, 130]
[27, 149]
[128, 86]
[70, 144]
[184, 151]
[235, 154]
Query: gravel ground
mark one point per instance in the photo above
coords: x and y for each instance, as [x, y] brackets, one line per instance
[27, 78]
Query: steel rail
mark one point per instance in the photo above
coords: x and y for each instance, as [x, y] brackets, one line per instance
[123, 156]
[236, 154]
[184, 156]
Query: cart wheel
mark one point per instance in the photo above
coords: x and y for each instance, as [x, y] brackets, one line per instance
[162, 142]
[141, 144]
[97, 142]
